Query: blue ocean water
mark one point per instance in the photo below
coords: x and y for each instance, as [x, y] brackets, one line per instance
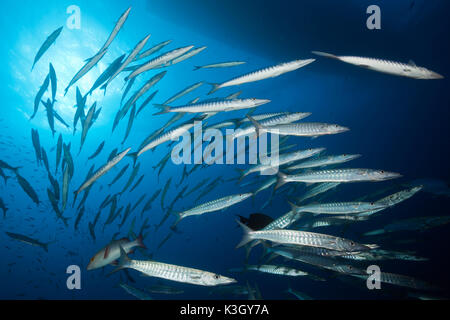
[397, 124]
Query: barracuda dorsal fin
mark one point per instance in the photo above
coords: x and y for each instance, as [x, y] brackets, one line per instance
[412, 63]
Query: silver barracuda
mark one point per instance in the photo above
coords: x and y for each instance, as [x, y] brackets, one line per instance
[266, 73]
[324, 161]
[338, 175]
[409, 70]
[301, 129]
[214, 106]
[220, 65]
[159, 61]
[268, 121]
[103, 170]
[173, 272]
[301, 238]
[214, 205]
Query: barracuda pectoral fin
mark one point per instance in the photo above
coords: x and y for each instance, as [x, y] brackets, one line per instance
[106, 252]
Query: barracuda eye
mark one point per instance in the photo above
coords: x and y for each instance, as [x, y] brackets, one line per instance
[216, 276]
[352, 243]
[371, 203]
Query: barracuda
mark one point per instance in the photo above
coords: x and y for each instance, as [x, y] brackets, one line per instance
[172, 272]
[266, 73]
[409, 70]
[325, 161]
[214, 107]
[302, 238]
[337, 175]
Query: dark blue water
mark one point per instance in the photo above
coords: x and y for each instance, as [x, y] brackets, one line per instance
[397, 124]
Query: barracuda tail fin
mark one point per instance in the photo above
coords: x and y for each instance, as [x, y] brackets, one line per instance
[75, 195]
[258, 126]
[294, 207]
[174, 226]
[134, 156]
[164, 109]
[103, 87]
[324, 54]
[241, 174]
[281, 180]
[246, 238]
[196, 68]
[215, 87]
[123, 261]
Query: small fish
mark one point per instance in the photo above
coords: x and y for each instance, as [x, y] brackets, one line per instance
[324, 161]
[111, 252]
[28, 240]
[272, 269]
[119, 175]
[137, 183]
[37, 99]
[36, 145]
[87, 124]
[164, 192]
[26, 186]
[185, 56]
[158, 61]
[112, 68]
[58, 152]
[103, 170]
[120, 22]
[146, 102]
[53, 82]
[3, 207]
[79, 113]
[152, 50]
[90, 63]
[6, 166]
[50, 115]
[97, 151]
[220, 65]
[183, 92]
[128, 60]
[47, 43]
[140, 294]
[131, 178]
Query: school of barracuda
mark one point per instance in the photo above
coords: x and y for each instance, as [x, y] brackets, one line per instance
[292, 235]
